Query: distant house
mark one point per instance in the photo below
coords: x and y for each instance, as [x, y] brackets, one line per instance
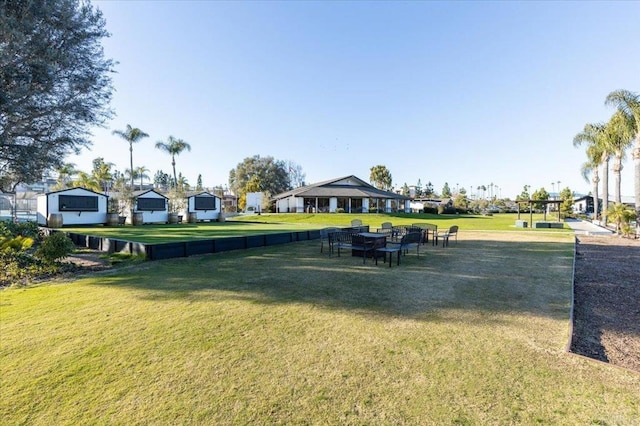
[349, 194]
[153, 206]
[76, 206]
[203, 206]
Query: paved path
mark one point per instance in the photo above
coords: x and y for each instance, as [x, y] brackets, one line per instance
[582, 227]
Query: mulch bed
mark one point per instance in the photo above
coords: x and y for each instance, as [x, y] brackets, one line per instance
[607, 300]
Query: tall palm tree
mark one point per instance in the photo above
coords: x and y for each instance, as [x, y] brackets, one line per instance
[595, 135]
[629, 103]
[173, 147]
[131, 135]
[618, 138]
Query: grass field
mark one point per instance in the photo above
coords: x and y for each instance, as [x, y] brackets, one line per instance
[269, 223]
[470, 334]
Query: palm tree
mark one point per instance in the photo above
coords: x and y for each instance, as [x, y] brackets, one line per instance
[621, 213]
[131, 135]
[629, 103]
[87, 181]
[595, 135]
[173, 147]
[140, 173]
[594, 155]
[65, 172]
[618, 139]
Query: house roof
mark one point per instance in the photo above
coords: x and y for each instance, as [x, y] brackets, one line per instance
[138, 194]
[346, 186]
[72, 189]
[197, 193]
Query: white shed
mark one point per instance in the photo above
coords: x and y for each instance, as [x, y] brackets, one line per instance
[151, 205]
[76, 206]
[203, 206]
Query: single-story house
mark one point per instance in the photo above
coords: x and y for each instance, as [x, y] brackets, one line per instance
[152, 205]
[349, 194]
[75, 206]
[203, 206]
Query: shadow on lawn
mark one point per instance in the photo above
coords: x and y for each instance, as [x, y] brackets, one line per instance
[490, 276]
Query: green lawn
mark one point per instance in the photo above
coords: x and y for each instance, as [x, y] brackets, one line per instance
[269, 223]
[470, 334]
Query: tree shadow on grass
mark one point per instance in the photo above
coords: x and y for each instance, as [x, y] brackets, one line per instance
[532, 278]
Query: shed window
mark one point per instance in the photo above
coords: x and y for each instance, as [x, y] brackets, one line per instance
[151, 204]
[78, 203]
[205, 203]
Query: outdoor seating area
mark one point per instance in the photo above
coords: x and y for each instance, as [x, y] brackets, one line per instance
[386, 240]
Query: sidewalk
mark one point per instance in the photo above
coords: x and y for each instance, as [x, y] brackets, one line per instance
[581, 227]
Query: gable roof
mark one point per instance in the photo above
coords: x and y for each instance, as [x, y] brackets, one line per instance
[346, 186]
[138, 194]
[74, 188]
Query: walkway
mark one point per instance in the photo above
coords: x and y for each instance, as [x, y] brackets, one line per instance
[582, 227]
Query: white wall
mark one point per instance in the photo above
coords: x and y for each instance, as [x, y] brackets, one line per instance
[202, 214]
[156, 216]
[49, 204]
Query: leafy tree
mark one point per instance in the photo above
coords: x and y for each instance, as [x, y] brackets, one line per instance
[428, 190]
[131, 135]
[272, 175]
[54, 84]
[380, 177]
[446, 191]
[199, 183]
[540, 194]
[405, 190]
[419, 189]
[629, 104]
[173, 147]
[566, 207]
[162, 179]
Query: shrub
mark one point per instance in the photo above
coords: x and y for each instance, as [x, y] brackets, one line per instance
[54, 247]
[431, 210]
[339, 210]
[26, 229]
[18, 243]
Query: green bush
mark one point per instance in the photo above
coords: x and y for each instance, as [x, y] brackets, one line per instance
[339, 210]
[25, 229]
[54, 247]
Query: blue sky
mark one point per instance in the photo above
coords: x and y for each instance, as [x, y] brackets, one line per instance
[469, 93]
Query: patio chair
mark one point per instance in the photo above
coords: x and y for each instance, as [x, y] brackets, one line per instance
[446, 235]
[427, 229]
[324, 237]
[410, 240]
[354, 242]
[356, 222]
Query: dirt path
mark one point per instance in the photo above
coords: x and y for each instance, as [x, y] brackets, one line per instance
[607, 300]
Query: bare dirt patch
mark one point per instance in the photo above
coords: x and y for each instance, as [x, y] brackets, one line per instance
[607, 300]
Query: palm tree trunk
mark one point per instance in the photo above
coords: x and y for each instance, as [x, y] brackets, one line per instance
[595, 180]
[636, 164]
[617, 171]
[173, 164]
[131, 160]
[605, 190]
